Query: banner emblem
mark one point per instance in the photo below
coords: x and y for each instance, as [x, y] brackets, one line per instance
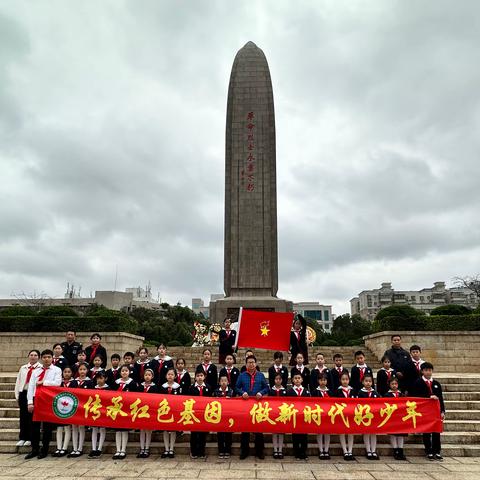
[65, 405]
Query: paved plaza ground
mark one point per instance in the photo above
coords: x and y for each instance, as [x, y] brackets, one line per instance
[417, 468]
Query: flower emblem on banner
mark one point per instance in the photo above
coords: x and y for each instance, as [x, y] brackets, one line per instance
[65, 405]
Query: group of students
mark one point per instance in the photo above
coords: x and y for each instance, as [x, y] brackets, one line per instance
[161, 375]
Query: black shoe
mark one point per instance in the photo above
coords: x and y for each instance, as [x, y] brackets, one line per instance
[430, 456]
[62, 453]
[122, 456]
[42, 455]
[346, 457]
[375, 456]
[280, 455]
[30, 455]
[401, 455]
[326, 456]
[164, 455]
[243, 456]
[92, 454]
[140, 454]
[170, 454]
[56, 453]
[116, 456]
[352, 458]
[395, 453]
[260, 456]
[438, 457]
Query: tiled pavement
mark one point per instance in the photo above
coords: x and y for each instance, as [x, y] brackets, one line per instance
[15, 466]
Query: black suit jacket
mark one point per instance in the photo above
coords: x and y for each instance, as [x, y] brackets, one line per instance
[291, 392]
[420, 389]
[211, 378]
[355, 381]
[234, 374]
[272, 372]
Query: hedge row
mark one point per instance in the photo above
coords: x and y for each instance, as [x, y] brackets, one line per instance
[424, 323]
[40, 323]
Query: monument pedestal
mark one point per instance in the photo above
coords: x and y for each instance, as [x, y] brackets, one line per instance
[230, 306]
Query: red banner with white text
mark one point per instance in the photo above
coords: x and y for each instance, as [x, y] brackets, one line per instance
[144, 411]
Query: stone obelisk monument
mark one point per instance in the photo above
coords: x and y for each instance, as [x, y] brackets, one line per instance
[251, 258]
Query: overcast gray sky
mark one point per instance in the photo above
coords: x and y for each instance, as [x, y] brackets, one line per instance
[112, 123]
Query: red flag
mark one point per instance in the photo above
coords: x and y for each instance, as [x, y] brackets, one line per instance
[267, 330]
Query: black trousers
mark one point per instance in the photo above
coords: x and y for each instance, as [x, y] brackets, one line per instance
[245, 443]
[432, 444]
[47, 429]
[197, 443]
[26, 418]
[300, 444]
[224, 440]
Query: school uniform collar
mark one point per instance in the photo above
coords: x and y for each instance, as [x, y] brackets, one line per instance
[363, 389]
[322, 389]
[298, 388]
[394, 392]
[34, 366]
[278, 389]
[126, 382]
[348, 387]
[277, 367]
[142, 363]
[164, 359]
[426, 379]
[389, 370]
[361, 366]
[197, 385]
[101, 387]
[151, 384]
[181, 372]
[300, 368]
[321, 369]
[174, 385]
[421, 360]
[78, 379]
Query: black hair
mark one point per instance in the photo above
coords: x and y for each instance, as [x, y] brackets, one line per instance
[127, 366]
[319, 353]
[415, 347]
[36, 351]
[386, 357]
[395, 335]
[222, 376]
[278, 355]
[129, 354]
[344, 373]
[338, 355]
[357, 353]
[278, 374]
[322, 375]
[393, 379]
[98, 356]
[426, 365]
[161, 345]
[368, 375]
[182, 359]
[71, 330]
[82, 364]
[81, 351]
[115, 355]
[207, 350]
[57, 345]
[101, 373]
[143, 348]
[95, 335]
[199, 370]
[249, 357]
[46, 352]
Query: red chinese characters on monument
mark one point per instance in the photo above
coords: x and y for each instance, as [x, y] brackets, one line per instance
[250, 164]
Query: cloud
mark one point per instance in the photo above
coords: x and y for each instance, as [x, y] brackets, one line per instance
[112, 143]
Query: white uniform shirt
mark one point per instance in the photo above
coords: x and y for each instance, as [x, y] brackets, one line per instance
[52, 378]
[21, 382]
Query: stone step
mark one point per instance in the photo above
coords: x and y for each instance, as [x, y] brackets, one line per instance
[458, 405]
[461, 387]
[464, 415]
[183, 449]
[462, 396]
[8, 403]
[461, 425]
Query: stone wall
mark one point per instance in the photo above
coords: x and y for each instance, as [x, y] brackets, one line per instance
[449, 351]
[14, 347]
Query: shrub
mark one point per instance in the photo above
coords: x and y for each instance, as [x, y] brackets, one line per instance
[400, 311]
[435, 323]
[58, 311]
[451, 310]
[17, 311]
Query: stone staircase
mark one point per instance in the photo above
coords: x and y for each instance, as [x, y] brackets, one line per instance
[462, 424]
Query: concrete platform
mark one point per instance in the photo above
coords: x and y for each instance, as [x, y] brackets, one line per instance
[416, 468]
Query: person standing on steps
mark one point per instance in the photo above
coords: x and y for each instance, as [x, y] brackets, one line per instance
[47, 375]
[251, 383]
[401, 361]
[21, 387]
[71, 347]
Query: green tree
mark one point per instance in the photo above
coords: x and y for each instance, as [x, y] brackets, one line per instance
[451, 309]
[405, 311]
[58, 311]
[17, 311]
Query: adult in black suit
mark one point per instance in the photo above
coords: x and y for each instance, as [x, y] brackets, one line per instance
[298, 340]
[227, 339]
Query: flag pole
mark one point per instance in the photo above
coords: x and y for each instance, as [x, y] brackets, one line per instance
[238, 332]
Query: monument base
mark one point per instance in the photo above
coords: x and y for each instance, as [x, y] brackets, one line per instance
[230, 306]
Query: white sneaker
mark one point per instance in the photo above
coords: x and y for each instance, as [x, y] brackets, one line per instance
[20, 443]
[28, 443]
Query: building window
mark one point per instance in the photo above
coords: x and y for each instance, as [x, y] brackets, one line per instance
[327, 326]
